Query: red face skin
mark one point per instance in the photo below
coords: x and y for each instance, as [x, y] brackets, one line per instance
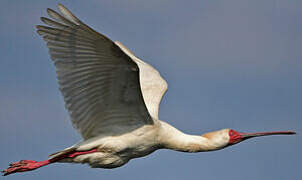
[236, 137]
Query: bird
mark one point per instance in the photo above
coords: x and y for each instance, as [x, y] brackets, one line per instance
[113, 100]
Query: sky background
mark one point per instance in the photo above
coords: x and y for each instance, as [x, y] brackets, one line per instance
[229, 64]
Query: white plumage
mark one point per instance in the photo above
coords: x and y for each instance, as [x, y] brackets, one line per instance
[113, 100]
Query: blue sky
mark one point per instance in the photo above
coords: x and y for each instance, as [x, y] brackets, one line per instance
[229, 64]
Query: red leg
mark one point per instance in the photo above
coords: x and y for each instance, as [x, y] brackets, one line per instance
[24, 165]
[29, 165]
[76, 153]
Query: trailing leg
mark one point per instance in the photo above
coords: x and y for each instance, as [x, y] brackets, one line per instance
[29, 165]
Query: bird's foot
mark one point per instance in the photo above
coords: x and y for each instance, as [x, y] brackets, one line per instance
[21, 166]
[29, 165]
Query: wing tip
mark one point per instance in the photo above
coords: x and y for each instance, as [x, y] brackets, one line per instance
[68, 14]
[49, 10]
[43, 19]
[60, 5]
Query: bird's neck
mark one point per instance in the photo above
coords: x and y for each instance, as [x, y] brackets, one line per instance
[172, 138]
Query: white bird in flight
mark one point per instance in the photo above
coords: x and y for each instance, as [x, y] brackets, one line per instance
[113, 100]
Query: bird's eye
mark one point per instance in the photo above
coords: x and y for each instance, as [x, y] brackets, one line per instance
[231, 133]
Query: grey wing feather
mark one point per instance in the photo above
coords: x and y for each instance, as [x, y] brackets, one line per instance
[99, 82]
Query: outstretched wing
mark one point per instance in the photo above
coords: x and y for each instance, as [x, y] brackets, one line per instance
[99, 82]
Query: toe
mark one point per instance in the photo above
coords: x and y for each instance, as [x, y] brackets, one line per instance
[9, 171]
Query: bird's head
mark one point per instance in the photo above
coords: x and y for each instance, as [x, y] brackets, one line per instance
[237, 137]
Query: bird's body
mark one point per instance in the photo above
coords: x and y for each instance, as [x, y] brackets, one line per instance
[115, 151]
[113, 100]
